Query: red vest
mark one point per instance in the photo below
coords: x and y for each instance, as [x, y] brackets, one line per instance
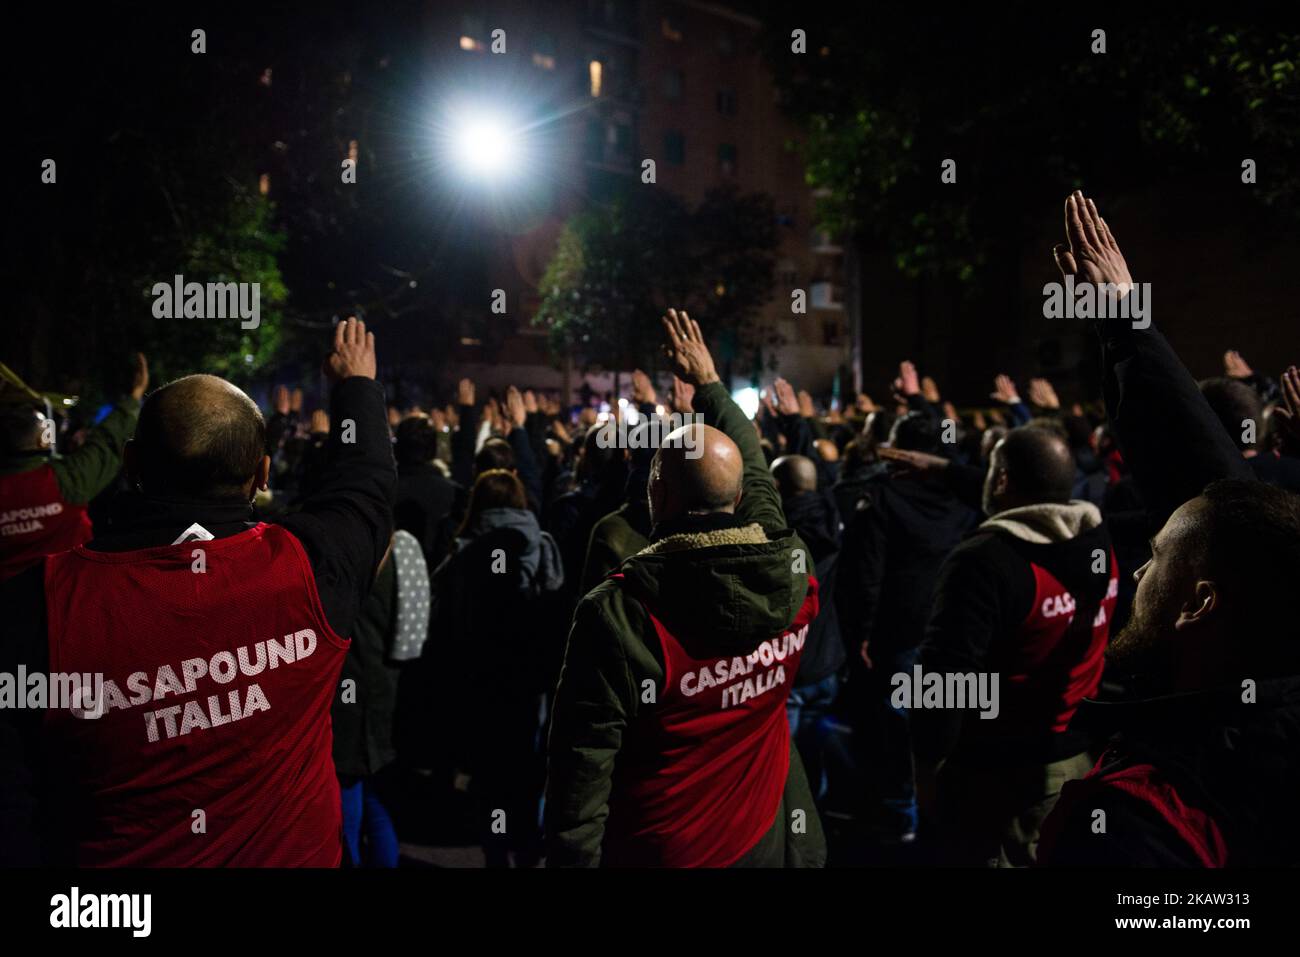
[700, 776]
[1195, 827]
[35, 521]
[1051, 667]
[216, 699]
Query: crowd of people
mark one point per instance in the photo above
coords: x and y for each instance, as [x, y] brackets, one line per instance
[1020, 634]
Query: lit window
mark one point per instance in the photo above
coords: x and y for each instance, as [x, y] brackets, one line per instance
[597, 71]
[264, 183]
[469, 43]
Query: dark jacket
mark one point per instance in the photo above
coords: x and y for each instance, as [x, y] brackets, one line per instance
[1191, 780]
[344, 527]
[616, 537]
[363, 710]
[741, 594]
[894, 544]
[816, 520]
[424, 499]
[985, 619]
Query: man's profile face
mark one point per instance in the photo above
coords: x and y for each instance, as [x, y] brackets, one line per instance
[1165, 585]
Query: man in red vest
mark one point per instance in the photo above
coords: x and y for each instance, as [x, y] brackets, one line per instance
[669, 741]
[214, 640]
[43, 499]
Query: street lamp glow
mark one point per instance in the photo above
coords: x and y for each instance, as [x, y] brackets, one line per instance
[485, 147]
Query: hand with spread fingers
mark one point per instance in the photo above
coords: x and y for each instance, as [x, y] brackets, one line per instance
[686, 350]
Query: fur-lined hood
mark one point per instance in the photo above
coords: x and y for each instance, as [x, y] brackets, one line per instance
[734, 585]
[1047, 523]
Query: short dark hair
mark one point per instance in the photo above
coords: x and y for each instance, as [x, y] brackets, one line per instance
[1250, 542]
[1234, 402]
[417, 441]
[202, 444]
[496, 453]
[916, 432]
[1039, 463]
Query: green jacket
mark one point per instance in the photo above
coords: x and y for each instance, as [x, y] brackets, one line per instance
[612, 540]
[736, 584]
[87, 471]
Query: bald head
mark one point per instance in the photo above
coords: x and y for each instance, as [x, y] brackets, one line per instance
[199, 436]
[696, 470]
[794, 475]
[1029, 466]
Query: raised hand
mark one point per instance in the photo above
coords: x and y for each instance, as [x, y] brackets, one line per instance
[354, 352]
[465, 392]
[930, 390]
[907, 383]
[806, 405]
[280, 398]
[530, 402]
[295, 401]
[516, 412]
[1043, 395]
[643, 390]
[786, 402]
[1004, 390]
[1234, 366]
[687, 351]
[1288, 412]
[1092, 255]
[320, 422]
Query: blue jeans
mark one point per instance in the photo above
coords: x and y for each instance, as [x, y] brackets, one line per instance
[363, 811]
[806, 709]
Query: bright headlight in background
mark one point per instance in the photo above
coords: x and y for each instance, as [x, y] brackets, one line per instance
[748, 400]
[485, 147]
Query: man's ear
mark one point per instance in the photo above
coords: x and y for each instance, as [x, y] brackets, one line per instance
[1205, 599]
[263, 475]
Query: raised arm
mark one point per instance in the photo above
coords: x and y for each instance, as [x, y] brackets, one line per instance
[346, 524]
[1170, 437]
[760, 501]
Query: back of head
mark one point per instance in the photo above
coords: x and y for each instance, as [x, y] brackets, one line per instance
[417, 441]
[495, 454]
[493, 488]
[1235, 403]
[1039, 465]
[697, 470]
[20, 429]
[1250, 544]
[199, 436]
[915, 432]
[794, 475]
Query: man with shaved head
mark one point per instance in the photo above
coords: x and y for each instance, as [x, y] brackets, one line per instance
[219, 639]
[1025, 601]
[669, 742]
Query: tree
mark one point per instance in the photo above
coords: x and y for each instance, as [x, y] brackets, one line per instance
[616, 269]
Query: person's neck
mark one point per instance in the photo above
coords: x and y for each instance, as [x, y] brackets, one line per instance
[693, 523]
